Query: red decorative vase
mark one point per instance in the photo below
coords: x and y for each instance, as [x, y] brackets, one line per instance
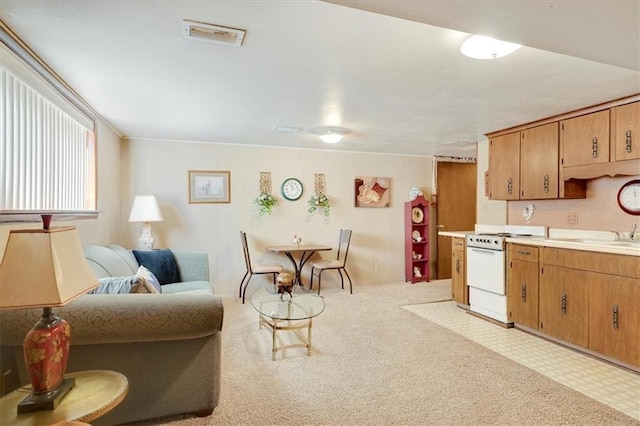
[46, 351]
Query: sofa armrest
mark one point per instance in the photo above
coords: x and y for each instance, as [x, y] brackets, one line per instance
[193, 266]
[123, 318]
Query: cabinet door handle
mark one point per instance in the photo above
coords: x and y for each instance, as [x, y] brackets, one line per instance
[563, 303]
[524, 252]
[457, 266]
[509, 186]
[614, 317]
[523, 292]
[594, 147]
[628, 142]
[546, 184]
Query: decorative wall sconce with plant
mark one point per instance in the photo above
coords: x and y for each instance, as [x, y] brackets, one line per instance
[319, 200]
[265, 200]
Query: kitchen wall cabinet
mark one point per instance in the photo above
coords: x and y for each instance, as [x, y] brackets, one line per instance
[625, 131]
[525, 165]
[416, 237]
[504, 166]
[539, 161]
[597, 141]
[459, 289]
[522, 285]
[585, 139]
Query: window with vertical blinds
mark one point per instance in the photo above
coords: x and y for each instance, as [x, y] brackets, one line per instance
[47, 145]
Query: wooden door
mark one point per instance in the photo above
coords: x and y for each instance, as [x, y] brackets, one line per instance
[539, 162]
[563, 304]
[455, 207]
[585, 139]
[626, 131]
[614, 319]
[459, 289]
[504, 163]
[522, 285]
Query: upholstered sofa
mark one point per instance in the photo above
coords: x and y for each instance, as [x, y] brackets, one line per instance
[167, 345]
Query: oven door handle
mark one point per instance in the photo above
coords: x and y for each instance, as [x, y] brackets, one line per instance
[484, 251]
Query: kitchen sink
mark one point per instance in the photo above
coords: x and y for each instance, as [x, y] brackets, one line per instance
[599, 242]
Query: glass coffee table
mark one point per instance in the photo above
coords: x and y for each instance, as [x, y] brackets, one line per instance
[287, 312]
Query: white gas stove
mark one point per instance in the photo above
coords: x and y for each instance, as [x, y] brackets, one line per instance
[486, 267]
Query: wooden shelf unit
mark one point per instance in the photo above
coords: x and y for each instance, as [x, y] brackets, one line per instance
[416, 253]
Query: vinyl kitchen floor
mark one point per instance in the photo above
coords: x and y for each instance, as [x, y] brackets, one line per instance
[614, 386]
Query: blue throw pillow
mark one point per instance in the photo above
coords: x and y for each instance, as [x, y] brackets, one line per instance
[161, 263]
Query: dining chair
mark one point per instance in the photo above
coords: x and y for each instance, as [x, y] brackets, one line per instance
[257, 268]
[318, 267]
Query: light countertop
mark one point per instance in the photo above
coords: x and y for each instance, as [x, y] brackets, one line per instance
[572, 242]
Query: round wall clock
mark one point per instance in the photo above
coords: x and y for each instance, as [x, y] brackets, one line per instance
[629, 197]
[291, 189]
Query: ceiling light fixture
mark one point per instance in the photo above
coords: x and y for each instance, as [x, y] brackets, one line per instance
[482, 47]
[331, 134]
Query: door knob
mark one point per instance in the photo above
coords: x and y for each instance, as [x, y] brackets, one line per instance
[440, 226]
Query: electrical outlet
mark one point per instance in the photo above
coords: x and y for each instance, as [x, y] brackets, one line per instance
[377, 267]
[572, 218]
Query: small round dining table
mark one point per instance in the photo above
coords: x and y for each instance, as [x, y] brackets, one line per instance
[306, 251]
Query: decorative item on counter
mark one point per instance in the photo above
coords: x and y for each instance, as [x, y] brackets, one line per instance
[297, 240]
[319, 200]
[414, 193]
[284, 283]
[265, 200]
[527, 212]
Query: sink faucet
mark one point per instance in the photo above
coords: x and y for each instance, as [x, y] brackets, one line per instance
[633, 231]
[616, 235]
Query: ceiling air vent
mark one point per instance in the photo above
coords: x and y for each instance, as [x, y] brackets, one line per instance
[213, 33]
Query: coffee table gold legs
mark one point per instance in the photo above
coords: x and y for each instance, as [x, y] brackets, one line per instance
[276, 325]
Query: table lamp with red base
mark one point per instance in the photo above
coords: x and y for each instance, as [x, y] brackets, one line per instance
[45, 268]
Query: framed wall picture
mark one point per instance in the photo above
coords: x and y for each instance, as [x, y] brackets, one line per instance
[209, 186]
[371, 191]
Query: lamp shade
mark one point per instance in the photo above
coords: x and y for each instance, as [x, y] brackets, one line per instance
[145, 209]
[44, 268]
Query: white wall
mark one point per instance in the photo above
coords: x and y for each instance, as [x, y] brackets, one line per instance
[161, 168]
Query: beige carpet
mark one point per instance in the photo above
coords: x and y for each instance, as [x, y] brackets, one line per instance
[375, 363]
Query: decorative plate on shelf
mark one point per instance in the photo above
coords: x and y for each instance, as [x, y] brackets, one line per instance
[417, 215]
[416, 236]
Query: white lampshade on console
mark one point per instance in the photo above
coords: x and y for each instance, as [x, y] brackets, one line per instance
[145, 209]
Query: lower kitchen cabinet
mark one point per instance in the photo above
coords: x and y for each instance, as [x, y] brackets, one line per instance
[522, 285]
[564, 304]
[592, 300]
[614, 317]
[459, 289]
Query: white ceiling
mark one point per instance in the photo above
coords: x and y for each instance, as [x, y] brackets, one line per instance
[395, 78]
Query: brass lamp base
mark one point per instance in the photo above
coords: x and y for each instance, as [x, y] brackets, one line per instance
[46, 401]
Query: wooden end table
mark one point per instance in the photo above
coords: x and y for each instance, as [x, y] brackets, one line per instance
[96, 392]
